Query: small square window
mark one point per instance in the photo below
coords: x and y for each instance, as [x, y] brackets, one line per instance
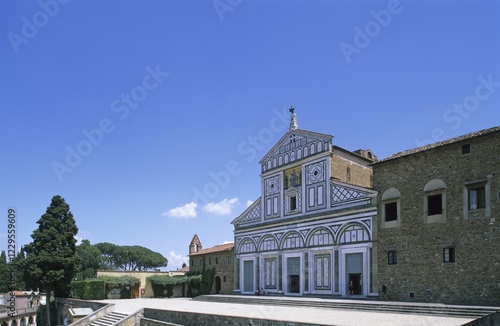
[477, 198]
[449, 255]
[465, 149]
[391, 211]
[434, 204]
[392, 258]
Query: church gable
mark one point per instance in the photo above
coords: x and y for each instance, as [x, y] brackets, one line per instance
[295, 145]
[346, 195]
[252, 214]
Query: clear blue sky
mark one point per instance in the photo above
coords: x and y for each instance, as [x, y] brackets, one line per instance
[130, 109]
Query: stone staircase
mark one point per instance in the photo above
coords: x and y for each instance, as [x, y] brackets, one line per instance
[109, 319]
[360, 305]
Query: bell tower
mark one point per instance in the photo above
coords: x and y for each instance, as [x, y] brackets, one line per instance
[195, 245]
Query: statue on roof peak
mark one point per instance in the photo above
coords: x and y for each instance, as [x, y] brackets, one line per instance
[293, 118]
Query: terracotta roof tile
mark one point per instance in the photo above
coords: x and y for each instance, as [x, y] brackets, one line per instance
[438, 144]
[218, 248]
[184, 269]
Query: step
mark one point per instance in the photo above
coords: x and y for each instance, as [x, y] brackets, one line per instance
[109, 319]
[375, 306]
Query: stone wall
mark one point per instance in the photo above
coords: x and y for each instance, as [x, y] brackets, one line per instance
[421, 273]
[222, 261]
[154, 317]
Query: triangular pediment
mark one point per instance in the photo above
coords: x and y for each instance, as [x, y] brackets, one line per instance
[346, 194]
[294, 145]
[251, 215]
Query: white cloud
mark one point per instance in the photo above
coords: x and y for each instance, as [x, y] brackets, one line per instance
[228, 241]
[223, 207]
[249, 202]
[82, 235]
[186, 211]
[175, 261]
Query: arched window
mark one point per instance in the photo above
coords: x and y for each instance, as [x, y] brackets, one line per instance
[391, 208]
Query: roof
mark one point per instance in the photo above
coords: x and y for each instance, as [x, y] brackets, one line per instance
[284, 140]
[218, 248]
[439, 144]
[184, 269]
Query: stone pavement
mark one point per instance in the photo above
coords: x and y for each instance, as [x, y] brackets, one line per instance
[319, 316]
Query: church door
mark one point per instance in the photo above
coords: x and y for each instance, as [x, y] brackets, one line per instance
[293, 271]
[248, 276]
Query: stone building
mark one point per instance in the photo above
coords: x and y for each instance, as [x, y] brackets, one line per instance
[220, 258]
[438, 229]
[313, 229]
[144, 289]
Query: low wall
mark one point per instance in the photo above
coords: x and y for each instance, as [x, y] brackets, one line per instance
[155, 317]
[490, 320]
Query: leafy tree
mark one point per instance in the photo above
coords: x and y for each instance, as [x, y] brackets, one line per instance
[131, 258]
[89, 260]
[51, 259]
[110, 255]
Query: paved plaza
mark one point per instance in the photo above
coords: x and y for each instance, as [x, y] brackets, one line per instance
[320, 316]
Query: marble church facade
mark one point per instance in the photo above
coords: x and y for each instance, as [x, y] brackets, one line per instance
[313, 230]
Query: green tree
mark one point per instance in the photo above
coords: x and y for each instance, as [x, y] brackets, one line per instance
[89, 260]
[4, 274]
[20, 265]
[131, 258]
[110, 255]
[50, 257]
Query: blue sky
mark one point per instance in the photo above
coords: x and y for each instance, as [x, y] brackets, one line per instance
[150, 117]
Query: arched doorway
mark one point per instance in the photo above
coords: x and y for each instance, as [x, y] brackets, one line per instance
[217, 285]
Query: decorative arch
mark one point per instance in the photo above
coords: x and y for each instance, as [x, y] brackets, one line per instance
[306, 151]
[391, 193]
[313, 149]
[353, 232]
[268, 243]
[319, 146]
[291, 240]
[435, 184]
[274, 162]
[286, 158]
[246, 245]
[299, 154]
[320, 236]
